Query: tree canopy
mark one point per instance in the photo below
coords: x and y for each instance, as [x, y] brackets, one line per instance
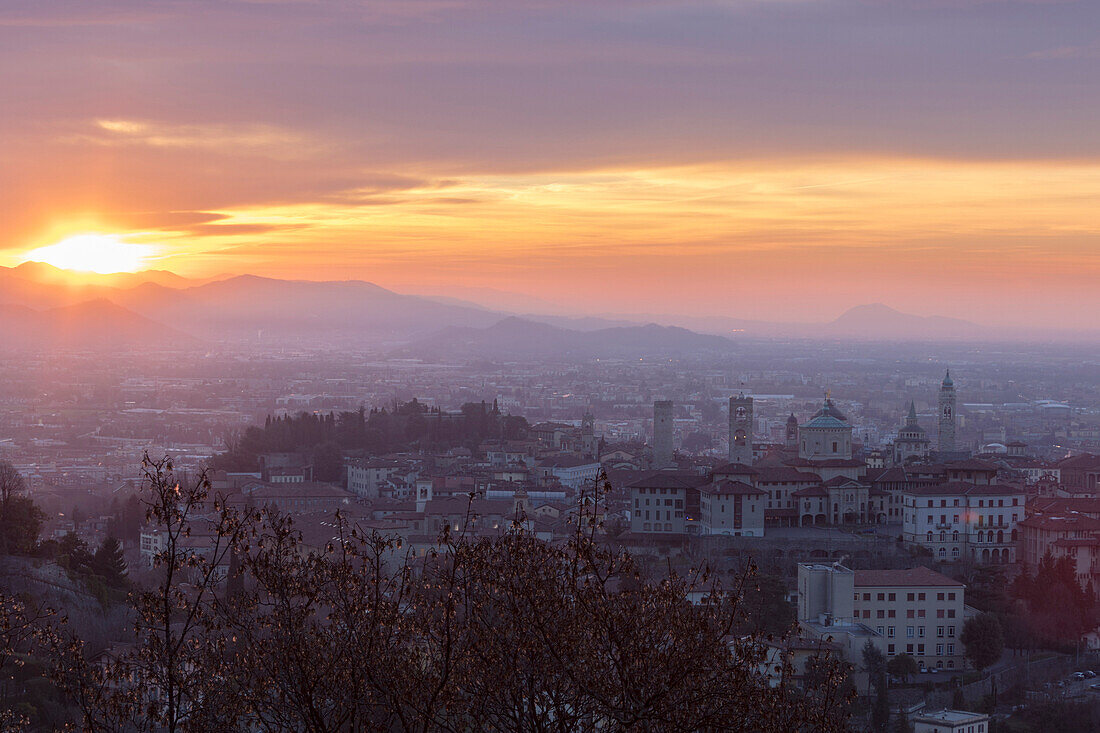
[984, 640]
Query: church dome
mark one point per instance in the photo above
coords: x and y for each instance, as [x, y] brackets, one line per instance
[947, 381]
[828, 417]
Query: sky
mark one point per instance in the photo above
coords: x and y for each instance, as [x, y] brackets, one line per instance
[767, 159]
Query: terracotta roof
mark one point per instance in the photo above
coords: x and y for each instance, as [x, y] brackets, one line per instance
[1085, 460]
[841, 481]
[889, 474]
[669, 480]
[972, 464]
[916, 577]
[1061, 523]
[811, 491]
[780, 474]
[967, 489]
[731, 488]
[736, 468]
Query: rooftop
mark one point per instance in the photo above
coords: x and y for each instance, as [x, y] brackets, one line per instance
[918, 577]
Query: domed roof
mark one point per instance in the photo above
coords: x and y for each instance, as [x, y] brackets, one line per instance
[828, 417]
[947, 382]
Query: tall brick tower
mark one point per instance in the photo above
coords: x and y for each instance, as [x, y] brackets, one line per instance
[948, 402]
[741, 429]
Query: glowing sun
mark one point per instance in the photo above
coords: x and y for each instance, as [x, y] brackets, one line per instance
[101, 253]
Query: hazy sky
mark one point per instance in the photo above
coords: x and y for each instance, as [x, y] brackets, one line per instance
[774, 159]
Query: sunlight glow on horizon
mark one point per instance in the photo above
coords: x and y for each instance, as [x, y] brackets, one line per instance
[104, 254]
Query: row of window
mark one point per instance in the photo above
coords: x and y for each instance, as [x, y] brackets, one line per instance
[981, 536]
[981, 520]
[918, 650]
[669, 514]
[916, 596]
[941, 631]
[909, 613]
[678, 503]
[981, 503]
[656, 527]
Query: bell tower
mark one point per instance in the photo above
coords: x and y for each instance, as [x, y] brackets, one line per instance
[948, 413]
[741, 429]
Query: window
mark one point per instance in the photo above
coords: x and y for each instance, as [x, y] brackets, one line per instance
[892, 597]
[889, 648]
[951, 631]
[908, 632]
[920, 596]
[890, 632]
[920, 650]
[910, 613]
[950, 596]
[909, 597]
[950, 613]
[881, 597]
[645, 527]
[939, 632]
[881, 613]
[950, 650]
[939, 613]
[920, 613]
[939, 596]
[866, 596]
[939, 650]
[892, 613]
[879, 630]
[920, 631]
[908, 648]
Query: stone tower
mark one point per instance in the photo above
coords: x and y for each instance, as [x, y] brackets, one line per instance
[741, 429]
[590, 444]
[947, 414]
[662, 433]
[792, 431]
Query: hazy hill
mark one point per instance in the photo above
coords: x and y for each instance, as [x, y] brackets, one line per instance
[354, 313]
[97, 324]
[41, 272]
[881, 322]
[521, 339]
[876, 322]
[267, 309]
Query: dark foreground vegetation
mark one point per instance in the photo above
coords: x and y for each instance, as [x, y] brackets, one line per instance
[257, 632]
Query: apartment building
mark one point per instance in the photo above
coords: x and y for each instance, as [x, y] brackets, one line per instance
[958, 519]
[918, 612]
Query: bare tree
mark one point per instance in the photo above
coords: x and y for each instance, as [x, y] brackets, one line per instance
[11, 481]
[484, 631]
